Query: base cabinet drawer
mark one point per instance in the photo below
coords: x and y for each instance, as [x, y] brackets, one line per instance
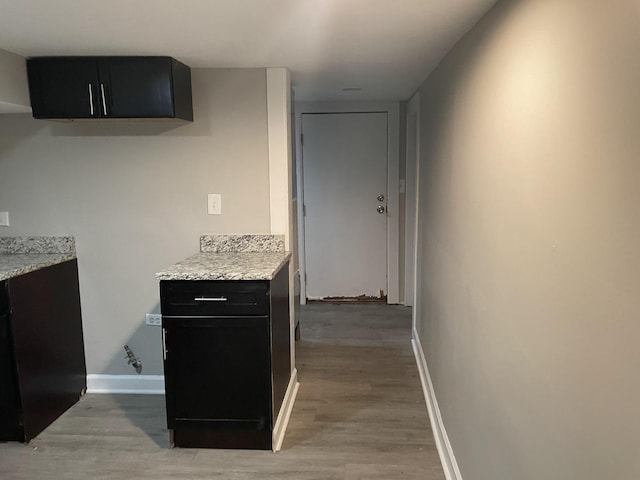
[214, 298]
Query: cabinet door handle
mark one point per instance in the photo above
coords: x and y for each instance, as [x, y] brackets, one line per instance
[210, 299]
[91, 100]
[164, 343]
[104, 102]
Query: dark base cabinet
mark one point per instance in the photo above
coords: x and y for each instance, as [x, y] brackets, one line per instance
[42, 362]
[227, 360]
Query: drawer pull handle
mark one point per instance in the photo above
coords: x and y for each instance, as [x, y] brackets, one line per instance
[210, 299]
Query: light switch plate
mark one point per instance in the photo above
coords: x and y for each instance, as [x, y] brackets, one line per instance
[4, 219]
[214, 204]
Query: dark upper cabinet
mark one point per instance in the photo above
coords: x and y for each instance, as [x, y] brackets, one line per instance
[109, 87]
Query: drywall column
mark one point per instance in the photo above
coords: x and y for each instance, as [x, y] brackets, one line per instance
[279, 125]
[14, 93]
[280, 171]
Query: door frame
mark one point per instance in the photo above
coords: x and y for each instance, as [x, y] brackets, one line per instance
[414, 108]
[411, 204]
[392, 109]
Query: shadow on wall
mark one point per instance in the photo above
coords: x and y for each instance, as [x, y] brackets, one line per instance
[146, 412]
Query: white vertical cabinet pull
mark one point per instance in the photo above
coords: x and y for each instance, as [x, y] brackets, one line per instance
[91, 100]
[164, 343]
[104, 102]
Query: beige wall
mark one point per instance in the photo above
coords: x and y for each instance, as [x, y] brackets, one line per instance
[14, 93]
[135, 197]
[530, 193]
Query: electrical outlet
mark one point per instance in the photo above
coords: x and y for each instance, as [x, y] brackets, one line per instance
[4, 219]
[153, 319]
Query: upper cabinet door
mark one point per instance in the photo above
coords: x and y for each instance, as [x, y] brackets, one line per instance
[63, 87]
[136, 87]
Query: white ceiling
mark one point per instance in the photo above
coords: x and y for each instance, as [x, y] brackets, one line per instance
[385, 47]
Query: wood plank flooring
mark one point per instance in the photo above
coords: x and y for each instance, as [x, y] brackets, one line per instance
[360, 415]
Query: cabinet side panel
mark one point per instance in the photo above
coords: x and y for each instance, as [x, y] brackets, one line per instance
[182, 98]
[9, 399]
[49, 347]
[280, 337]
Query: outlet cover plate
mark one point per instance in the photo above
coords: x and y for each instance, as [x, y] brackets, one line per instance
[4, 219]
[154, 319]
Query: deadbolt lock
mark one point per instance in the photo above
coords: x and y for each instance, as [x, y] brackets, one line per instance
[381, 209]
[381, 198]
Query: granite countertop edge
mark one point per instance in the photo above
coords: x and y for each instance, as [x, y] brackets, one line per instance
[16, 264]
[227, 266]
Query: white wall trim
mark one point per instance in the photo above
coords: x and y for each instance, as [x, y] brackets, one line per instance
[411, 207]
[140, 384]
[447, 457]
[280, 426]
[393, 183]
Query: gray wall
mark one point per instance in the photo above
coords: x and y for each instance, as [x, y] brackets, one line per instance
[530, 273]
[135, 197]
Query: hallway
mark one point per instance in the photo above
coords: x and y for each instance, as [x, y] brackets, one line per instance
[360, 414]
[360, 402]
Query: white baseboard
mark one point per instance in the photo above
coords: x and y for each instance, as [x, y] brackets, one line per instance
[280, 427]
[447, 457]
[140, 384]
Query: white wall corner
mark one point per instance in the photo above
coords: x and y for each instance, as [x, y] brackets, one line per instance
[445, 451]
[281, 171]
[279, 134]
[14, 93]
[138, 384]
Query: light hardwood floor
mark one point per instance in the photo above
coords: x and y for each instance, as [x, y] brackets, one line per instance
[360, 414]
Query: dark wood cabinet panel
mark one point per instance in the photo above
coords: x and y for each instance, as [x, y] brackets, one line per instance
[109, 87]
[226, 373]
[280, 338]
[224, 365]
[44, 347]
[63, 88]
[135, 87]
[9, 397]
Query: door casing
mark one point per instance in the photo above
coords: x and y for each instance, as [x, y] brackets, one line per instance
[393, 183]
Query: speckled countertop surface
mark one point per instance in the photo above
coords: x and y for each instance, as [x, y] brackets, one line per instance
[231, 257]
[20, 255]
[227, 266]
[15, 264]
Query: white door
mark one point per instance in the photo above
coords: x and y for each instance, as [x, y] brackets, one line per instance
[344, 160]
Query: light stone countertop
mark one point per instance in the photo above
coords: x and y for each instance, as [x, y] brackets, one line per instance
[16, 264]
[227, 266]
